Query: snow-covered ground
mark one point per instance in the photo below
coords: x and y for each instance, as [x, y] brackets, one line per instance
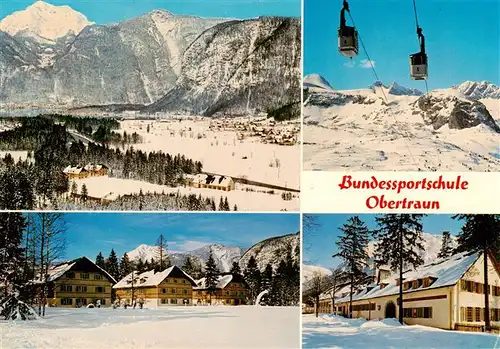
[168, 327]
[16, 154]
[256, 200]
[328, 331]
[220, 151]
[394, 137]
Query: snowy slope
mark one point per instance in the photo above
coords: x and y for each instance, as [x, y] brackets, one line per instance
[308, 271]
[359, 130]
[272, 250]
[316, 80]
[44, 21]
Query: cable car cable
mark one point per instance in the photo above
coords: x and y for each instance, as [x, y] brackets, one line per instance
[383, 92]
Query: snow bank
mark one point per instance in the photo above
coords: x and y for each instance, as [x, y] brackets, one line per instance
[168, 327]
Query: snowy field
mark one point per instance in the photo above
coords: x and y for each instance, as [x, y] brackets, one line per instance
[110, 188]
[378, 137]
[169, 327]
[220, 151]
[330, 331]
[16, 154]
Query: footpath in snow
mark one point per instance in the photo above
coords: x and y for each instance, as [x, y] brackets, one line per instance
[329, 331]
[167, 327]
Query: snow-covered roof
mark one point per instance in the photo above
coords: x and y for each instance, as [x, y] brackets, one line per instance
[60, 269]
[150, 278]
[222, 282]
[446, 271]
[94, 167]
[203, 178]
[74, 169]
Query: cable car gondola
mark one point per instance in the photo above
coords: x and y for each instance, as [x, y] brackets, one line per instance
[348, 36]
[418, 61]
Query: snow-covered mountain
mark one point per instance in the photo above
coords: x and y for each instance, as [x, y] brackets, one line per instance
[396, 89]
[272, 251]
[224, 256]
[44, 22]
[316, 80]
[443, 130]
[479, 90]
[163, 61]
[308, 271]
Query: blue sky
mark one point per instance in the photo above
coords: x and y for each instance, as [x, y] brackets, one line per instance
[91, 233]
[109, 11]
[320, 242]
[462, 41]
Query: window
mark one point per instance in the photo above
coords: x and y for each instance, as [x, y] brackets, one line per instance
[422, 313]
[100, 289]
[97, 277]
[184, 291]
[477, 313]
[66, 288]
[183, 281]
[84, 276]
[175, 281]
[66, 301]
[70, 275]
[163, 301]
[81, 288]
[103, 301]
[174, 290]
[173, 301]
[163, 290]
[468, 314]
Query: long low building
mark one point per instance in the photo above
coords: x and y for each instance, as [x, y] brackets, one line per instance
[231, 289]
[169, 287]
[447, 293]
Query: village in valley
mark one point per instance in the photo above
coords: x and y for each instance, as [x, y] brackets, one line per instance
[447, 296]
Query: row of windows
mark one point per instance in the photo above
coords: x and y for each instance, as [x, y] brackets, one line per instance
[417, 283]
[476, 314]
[81, 301]
[173, 301]
[364, 307]
[173, 290]
[477, 287]
[227, 293]
[83, 276]
[71, 288]
[425, 313]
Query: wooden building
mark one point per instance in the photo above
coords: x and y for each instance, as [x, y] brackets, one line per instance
[169, 287]
[76, 172]
[447, 293]
[202, 180]
[231, 289]
[78, 283]
[96, 169]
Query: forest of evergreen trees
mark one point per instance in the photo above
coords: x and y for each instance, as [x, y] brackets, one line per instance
[38, 182]
[399, 245]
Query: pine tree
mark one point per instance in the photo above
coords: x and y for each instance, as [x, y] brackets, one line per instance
[267, 280]
[161, 255]
[188, 266]
[235, 268]
[126, 266]
[235, 208]
[352, 246]
[221, 204]
[399, 243]
[480, 232]
[139, 266]
[112, 265]
[74, 188]
[446, 248]
[226, 205]
[84, 193]
[100, 262]
[253, 278]
[211, 276]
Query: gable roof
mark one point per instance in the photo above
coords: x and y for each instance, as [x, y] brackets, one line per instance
[78, 264]
[150, 278]
[446, 271]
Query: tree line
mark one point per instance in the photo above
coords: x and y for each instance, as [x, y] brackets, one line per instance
[30, 245]
[399, 245]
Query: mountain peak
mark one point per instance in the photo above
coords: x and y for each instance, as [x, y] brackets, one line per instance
[396, 89]
[44, 20]
[479, 89]
[316, 80]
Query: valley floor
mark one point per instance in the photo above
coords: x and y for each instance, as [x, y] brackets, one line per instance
[169, 327]
[329, 331]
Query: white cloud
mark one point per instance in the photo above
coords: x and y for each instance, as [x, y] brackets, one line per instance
[366, 63]
[190, 245]
[350, 64]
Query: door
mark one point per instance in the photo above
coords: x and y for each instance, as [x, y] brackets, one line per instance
[390, 310]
